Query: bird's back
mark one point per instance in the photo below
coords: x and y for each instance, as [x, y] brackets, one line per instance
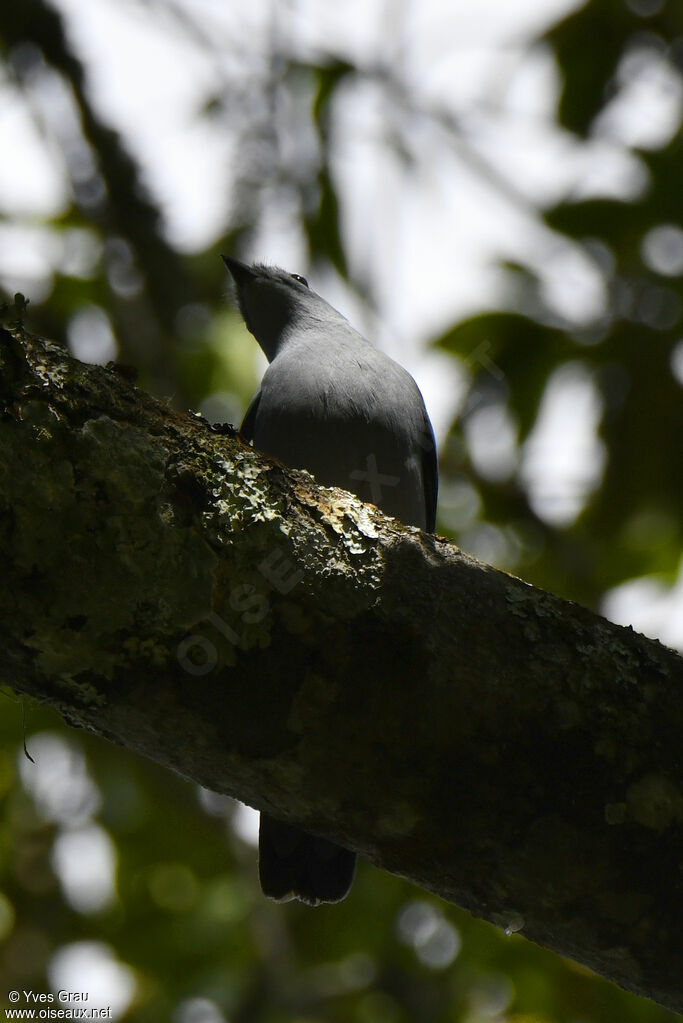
[350, 415]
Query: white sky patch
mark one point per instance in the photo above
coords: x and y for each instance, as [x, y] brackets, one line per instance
[26, 256]
[436, 24]
[650, 607]
[90, 967]
[677, 362]
[647, 110]
[81, 250]
[491, 437]
[442, 383]
[573, 286]
[32, 176]
[245, 823]
[29, 254]
[492, 545]
[214, 803]
[605, 169]
[59, 782]
[184, 157]
[198, 1010]
[85, 863]
[435, 940]
[563, 458]
[662, 250]
[90, 334]
[489, 996]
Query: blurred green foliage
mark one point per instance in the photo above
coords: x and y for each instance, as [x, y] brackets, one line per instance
[187, 916]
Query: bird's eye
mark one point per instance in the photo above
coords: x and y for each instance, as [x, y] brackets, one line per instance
[300, 279]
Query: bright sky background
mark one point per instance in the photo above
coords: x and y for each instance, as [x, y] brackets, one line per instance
[429, 240]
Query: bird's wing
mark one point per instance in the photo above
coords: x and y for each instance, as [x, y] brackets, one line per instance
[248, 423]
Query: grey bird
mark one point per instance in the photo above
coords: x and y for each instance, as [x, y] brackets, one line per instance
[332, 404]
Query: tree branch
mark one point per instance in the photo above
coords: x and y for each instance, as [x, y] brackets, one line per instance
[177, 593]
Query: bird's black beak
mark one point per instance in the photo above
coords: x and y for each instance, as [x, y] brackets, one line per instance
[241, 273]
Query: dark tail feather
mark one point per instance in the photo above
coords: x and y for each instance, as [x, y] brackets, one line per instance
[295, 865]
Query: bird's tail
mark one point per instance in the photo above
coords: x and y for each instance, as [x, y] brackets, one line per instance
[295, 865]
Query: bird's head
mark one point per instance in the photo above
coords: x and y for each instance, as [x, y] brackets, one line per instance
[272, 301]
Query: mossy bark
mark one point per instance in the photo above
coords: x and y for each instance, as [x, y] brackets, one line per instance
[171, 590]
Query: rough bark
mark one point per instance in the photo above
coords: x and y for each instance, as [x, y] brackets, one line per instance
[173, 591]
